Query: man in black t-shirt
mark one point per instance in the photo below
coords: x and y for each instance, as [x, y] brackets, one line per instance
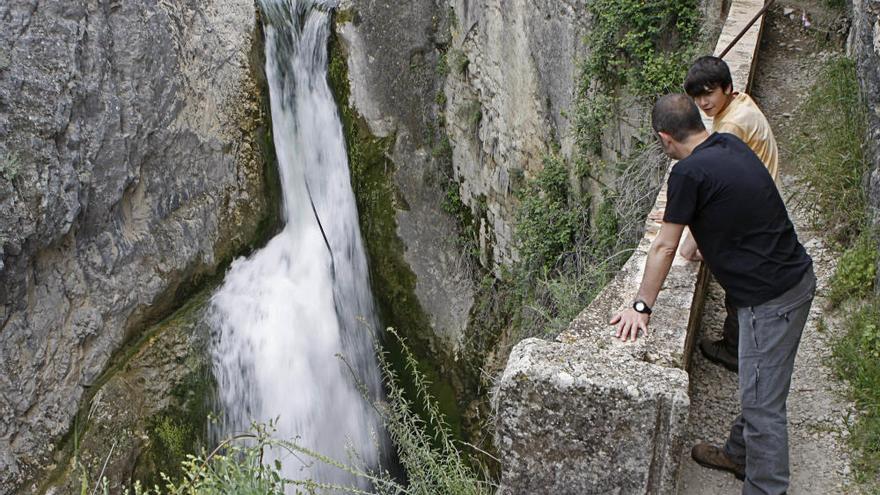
[724, 194]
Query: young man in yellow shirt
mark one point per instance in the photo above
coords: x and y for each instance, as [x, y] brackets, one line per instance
[710, 85]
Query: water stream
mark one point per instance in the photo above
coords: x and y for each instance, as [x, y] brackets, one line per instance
[283, 315]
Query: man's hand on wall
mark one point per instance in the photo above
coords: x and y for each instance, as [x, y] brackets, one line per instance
[629, 322]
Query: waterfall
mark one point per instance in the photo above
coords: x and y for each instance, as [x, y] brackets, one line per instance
[283, 315]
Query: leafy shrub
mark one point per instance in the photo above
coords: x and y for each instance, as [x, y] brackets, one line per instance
[443, 65]
[636, 43]
[10, 165]
[459, 61]
[856, 271]
[546, 223]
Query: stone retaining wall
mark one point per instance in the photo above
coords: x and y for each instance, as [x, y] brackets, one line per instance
[589, 414]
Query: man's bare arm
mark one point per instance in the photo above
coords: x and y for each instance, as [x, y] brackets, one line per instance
[689, 248]
[660, 257]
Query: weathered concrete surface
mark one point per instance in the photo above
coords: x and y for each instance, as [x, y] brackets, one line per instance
[392, 56]
[594, 416]
[589, 376]
[864, 46]
[643, 386]
[130, 165]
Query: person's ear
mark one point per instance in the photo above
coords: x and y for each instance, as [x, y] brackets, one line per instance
[728, 90]
[665, 138]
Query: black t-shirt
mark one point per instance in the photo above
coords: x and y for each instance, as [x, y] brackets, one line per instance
[725, 195]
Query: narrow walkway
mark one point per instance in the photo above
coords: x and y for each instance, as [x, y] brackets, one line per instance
[788, 61]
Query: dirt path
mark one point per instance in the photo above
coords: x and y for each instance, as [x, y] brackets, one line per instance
[788, 62]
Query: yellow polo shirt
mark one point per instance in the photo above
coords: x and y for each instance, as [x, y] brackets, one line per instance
[744, 119]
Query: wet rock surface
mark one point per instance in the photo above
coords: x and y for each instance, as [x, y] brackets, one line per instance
[392, 55]
[150, 408]
[130, 166]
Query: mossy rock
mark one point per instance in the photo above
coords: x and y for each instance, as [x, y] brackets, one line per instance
[150, 409]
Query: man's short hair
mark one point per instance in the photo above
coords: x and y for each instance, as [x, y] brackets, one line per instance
[706, 74]
[677, 115]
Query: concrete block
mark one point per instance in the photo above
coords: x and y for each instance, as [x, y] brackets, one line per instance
[576, 423]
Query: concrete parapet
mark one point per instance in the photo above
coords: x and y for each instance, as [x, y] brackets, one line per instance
[577, 422]
[589, 414]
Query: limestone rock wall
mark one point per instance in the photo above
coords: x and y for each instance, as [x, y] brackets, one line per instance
[488, 81]
[129, 166]
[392, 55]
[864, 46]
[506, 108]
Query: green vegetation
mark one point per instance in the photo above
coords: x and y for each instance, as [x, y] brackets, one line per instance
[569, 245]
[836, 4]
[424, 443]
[458, 61]
[472, 113]
[180, 429]
[638, 50]
[856, 271]
[832, 164]
[856, 359]
[829, 154]
[546, 224]
[443, 64]
[636, 44]
[10, 166]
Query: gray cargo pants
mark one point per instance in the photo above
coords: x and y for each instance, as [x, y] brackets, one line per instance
[768, 341]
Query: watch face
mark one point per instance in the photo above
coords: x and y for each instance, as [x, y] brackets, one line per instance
[640, 306]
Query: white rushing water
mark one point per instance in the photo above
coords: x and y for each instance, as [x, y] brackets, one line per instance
[283, 314]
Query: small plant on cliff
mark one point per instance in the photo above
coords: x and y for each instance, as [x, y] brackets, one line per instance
[547, 220]
[459, 61]
[10, 166]
[443, 64]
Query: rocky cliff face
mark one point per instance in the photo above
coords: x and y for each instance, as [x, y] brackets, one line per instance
[391, 54]
[130, 166]
[864, 46]
[486, 82]
[513, 79]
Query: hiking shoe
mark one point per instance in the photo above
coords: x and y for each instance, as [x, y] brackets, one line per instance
[710, 456]
[718, 353]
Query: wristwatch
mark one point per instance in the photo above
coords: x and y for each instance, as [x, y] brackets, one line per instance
[641, 307]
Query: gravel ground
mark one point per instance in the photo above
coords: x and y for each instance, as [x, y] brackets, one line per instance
[788, 61]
